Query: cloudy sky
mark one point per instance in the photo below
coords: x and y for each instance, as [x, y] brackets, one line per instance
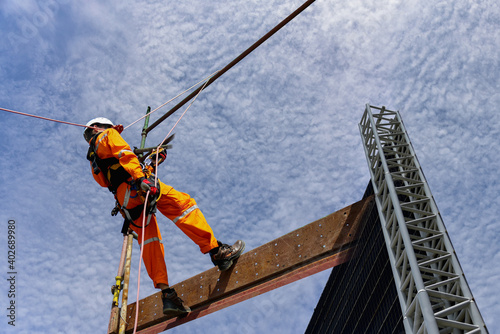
[271, 146]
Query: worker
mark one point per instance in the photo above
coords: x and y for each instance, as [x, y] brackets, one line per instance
[115, 166]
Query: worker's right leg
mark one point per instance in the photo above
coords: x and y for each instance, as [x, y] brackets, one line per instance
[183, 211]
[185, 214]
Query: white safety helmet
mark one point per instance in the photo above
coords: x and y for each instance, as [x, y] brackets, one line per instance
[87, 133]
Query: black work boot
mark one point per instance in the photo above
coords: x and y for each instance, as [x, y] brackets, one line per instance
[224, 255]
[173, 306]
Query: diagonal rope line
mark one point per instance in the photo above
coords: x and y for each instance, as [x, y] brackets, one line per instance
[85, 126]
[44, 118]
[176, 123]
[164, 104]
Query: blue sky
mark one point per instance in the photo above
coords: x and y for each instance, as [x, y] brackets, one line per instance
[271, 146]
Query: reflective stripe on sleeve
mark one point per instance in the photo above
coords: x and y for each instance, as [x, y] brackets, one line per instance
[122, 151]
[151, 240]
[185, 213]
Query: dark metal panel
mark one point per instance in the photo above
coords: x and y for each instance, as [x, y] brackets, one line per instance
[360, 295]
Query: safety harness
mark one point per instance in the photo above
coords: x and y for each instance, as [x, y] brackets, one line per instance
[116, 175]
[134, 213]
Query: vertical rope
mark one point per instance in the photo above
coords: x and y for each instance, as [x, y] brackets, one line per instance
[145, 206]
[140, 262]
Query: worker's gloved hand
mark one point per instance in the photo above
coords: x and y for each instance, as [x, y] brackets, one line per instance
[148, 185]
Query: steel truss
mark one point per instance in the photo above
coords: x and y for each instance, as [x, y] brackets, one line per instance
[433, 292]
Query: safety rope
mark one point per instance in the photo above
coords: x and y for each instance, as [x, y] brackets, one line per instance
[44, 118]
[140, 261]
[164, 104]
[86, 126]
[176, 123]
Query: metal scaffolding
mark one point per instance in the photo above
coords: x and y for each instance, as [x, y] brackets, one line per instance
[432, 289]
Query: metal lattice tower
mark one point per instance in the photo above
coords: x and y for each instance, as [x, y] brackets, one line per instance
[432, 289]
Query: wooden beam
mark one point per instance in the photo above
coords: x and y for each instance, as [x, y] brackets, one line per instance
[259, 289]
[320, 245]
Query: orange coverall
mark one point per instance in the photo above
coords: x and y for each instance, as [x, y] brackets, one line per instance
[179, 207]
